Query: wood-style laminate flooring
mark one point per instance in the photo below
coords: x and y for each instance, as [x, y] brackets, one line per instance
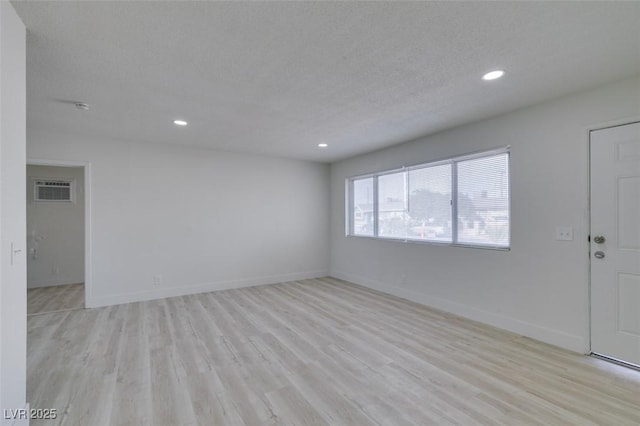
[55, 298]
[312, 352]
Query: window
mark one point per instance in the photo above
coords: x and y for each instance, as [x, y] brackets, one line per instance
[393, 213]
[483, 201]
[416, 203]
[362, 211]
[430, 197]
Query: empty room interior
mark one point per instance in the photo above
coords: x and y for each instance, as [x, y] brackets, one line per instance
[319, 213]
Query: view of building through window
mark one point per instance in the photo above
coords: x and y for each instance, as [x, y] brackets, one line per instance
[417, 204]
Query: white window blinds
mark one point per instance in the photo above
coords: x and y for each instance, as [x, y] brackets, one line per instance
[483, 201]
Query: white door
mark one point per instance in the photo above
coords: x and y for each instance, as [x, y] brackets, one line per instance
[615, 242]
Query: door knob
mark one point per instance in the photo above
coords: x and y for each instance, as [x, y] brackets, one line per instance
[599, 239]
[599, 255]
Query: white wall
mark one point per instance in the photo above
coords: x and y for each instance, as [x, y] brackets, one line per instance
[55, 231]
[13, 305]
[540, 287]
[199, 219]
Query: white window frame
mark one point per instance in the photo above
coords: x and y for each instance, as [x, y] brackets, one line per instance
[453, 161]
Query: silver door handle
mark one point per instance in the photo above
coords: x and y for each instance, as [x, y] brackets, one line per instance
[599, 255]
[599, 239]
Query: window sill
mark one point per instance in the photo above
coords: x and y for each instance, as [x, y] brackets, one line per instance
[432, 243]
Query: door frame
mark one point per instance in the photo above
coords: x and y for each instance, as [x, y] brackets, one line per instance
[588, 130]
[88, 282]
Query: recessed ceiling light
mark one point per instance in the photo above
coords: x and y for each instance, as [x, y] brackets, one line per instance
[493, 75]
[322, 145]
[180, 122]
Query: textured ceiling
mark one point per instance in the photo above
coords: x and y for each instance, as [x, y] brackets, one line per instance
[278, 78]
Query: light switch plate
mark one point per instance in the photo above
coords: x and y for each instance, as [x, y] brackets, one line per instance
[564, 233]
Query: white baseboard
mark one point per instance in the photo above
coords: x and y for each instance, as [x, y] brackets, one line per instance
[51, 283]
[161, 293]
[554, 337]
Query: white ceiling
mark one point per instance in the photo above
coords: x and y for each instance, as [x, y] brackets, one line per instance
[279, 78]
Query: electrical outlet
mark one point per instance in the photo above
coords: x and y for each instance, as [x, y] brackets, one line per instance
[157, 279]
[564, 233]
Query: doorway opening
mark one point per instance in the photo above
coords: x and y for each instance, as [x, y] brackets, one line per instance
[56, 237]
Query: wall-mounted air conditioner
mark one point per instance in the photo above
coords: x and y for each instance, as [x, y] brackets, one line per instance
[58, 190]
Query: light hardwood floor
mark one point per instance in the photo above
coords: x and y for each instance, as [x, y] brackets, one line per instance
[55, 298]
[313, 352]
